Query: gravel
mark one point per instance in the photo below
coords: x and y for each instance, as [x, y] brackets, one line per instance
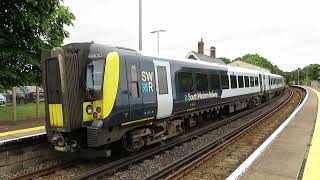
[151, 165]
[226, 161]
[144, 168]
[30, 169]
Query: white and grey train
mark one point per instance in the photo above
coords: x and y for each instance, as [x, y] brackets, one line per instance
[97, 95]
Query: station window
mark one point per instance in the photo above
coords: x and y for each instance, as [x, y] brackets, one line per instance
[215, 82]
[225, 81]
[251, 81]
[162, 79]
[246, 81]
[185, 81]
[256, 82]
[240, 81]
[202, 82]
[233, 80]
[134, 81]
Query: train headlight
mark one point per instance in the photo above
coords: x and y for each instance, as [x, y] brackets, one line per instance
[98, 109]
[89, 109]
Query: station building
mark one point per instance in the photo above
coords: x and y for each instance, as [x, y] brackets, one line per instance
[193, 55]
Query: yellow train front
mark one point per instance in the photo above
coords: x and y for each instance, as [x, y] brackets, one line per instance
[83, 104]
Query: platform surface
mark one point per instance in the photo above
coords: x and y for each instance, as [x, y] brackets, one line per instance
[311, 168]
[285, 156]
[21, 134]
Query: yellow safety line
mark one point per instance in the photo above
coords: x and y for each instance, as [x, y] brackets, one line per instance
[139, 120]
[22, 131]
[311, 169]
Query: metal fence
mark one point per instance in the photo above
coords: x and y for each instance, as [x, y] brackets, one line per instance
[21, 104]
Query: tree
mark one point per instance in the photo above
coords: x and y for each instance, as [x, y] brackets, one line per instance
[260, 61]
[26, 28]
[225, 60]
[306, 74]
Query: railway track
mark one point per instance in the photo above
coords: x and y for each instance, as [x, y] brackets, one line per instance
[183, 166]
[109, 168]
[47, 171]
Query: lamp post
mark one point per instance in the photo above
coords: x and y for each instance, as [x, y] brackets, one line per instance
[140, 25]
[157, 31]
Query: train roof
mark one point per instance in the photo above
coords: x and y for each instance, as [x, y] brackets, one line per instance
[220, 66]
[213, 65]
[188, 62]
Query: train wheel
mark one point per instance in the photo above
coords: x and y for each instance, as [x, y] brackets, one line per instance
[131, 142]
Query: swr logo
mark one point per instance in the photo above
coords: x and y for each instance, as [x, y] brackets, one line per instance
[147, 85]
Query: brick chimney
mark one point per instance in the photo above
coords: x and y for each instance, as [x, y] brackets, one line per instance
[213, 52]
[201, 47]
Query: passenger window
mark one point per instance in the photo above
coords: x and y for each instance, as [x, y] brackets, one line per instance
[202, 82]
[251, 81]
[256, 82]
[185, 82]
[215, 82]
[134, 81]
[162, 79]
[134, 75]
[246, 81]
[240, 81]
[233, 81]
[225, 81]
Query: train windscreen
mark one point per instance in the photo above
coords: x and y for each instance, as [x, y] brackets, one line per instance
[94, 79]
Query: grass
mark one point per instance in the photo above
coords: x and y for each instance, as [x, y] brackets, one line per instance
[24, 112]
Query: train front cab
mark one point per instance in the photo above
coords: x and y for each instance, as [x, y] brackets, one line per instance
[71, 102]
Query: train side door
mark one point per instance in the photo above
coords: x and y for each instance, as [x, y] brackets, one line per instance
[133, 72]
[163, 88]
[264, 83]
[269, 82]
[260, 83]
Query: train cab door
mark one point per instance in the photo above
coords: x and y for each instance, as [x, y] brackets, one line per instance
[163, 88]
[133, 69]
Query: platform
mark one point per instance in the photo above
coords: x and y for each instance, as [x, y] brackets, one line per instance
[20, 134]
[311, 168]
[285, 157]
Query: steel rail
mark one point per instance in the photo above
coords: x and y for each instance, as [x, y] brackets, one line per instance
[111, 167]
[47, 171]
[188, 163]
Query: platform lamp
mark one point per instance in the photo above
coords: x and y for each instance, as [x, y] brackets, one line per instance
[158, 31]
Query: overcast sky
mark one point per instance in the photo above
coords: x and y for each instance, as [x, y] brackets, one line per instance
[286, 32]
